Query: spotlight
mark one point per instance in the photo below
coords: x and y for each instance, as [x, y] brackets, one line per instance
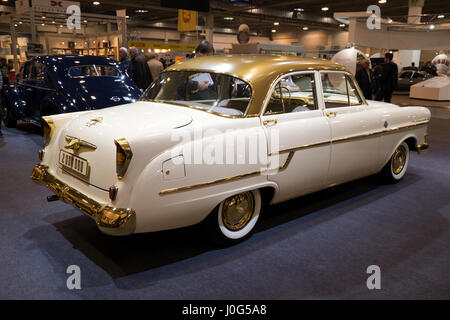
[325, 9]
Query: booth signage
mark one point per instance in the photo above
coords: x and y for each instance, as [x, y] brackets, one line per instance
[160, 45]
[55, 6]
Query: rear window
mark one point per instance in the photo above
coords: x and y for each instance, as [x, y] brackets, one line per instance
[94, 71]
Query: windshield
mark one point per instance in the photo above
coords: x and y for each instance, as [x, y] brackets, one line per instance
[218, 93]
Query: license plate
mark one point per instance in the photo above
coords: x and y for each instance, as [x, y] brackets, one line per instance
[74, 163]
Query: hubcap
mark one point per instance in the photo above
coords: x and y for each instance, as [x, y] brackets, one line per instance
[399, 160]
[238, 210]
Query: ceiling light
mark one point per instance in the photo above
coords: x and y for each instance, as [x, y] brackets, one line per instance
[305, 28]
[382, 1]
[53, 21]
[128, 17]
[60, 25]
[273, 30]
[390, 20]
[342, 25]
[43, 17]
[15, 25]
[141, 11]
[96, 3]
[276, 23]
[325, 9]
[441, 16]
[20, 22]
[432, 27]
[228, 18]
[85, 21]
[42, 24]
[299, 9]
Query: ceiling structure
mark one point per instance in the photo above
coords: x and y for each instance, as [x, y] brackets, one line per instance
[262, 14]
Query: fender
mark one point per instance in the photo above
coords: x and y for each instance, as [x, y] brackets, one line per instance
[11, 99]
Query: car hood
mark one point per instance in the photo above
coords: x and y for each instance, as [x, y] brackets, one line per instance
[102, 92]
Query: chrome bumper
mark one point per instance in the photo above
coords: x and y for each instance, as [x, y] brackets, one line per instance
[110, 220]
[422, 147]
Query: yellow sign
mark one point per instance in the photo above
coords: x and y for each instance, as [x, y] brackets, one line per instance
[187, 20]
[160, 45]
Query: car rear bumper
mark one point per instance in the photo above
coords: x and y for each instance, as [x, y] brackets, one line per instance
[110, 220]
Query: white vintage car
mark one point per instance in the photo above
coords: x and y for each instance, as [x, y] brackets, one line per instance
[215, 138]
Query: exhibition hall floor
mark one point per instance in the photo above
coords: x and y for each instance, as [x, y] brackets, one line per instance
[315, 247]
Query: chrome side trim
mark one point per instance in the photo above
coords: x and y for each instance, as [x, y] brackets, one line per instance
[110, 220]
[291, 152]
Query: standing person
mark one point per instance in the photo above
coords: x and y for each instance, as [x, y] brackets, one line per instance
[125, 62]
[141, 74]
[389, 79]
[364, 77]
[155, 66]
[204, 49]
[1, 107]
[4, 71]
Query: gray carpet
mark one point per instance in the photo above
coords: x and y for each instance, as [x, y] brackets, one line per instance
[314, 247]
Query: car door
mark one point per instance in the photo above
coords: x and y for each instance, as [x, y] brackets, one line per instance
[298, 136]
[355, 128]
[26, 90]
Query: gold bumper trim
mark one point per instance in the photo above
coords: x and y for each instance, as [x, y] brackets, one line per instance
[110, 220]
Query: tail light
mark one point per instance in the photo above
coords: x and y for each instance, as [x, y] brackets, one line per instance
[48, 126]
[113, 192]
[41, 155]
[123, 157]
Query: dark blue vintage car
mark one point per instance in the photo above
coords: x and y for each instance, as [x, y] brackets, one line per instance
[59, 83]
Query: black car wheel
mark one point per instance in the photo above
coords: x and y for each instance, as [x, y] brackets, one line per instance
[9, 119]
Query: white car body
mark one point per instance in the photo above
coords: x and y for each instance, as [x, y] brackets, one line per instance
[317, 149]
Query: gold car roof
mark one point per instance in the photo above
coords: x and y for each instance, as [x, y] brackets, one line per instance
[260, 71]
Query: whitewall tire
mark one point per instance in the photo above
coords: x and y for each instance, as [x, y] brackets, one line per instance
[235, 218]
[396, 168]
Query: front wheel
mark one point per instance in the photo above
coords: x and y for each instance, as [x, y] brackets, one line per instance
[395, 169]
[235, 218]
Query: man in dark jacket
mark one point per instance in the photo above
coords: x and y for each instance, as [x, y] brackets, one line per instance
[365, 78]
[388, 80]
[125, 62]
[141, 74]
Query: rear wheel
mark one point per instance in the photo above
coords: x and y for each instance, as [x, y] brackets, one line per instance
[10, 120]
[395, 169]
[235, 218]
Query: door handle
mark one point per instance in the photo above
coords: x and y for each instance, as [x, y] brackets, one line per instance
[266, 122]
[331, 114]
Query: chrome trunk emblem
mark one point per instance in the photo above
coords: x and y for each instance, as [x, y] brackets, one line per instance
[76, 144]
[93, 122]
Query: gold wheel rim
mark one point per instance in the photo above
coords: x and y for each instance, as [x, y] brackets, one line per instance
[399, 160]
[238, 210]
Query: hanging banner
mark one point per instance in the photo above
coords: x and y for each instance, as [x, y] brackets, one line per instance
[22, 6]
[55, 6]
[187, 20]
[121, 13]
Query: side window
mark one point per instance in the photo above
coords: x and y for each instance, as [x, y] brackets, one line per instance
[295, 93]
[27, 71]
[354, 97]
[37, 72]
[339, 90]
